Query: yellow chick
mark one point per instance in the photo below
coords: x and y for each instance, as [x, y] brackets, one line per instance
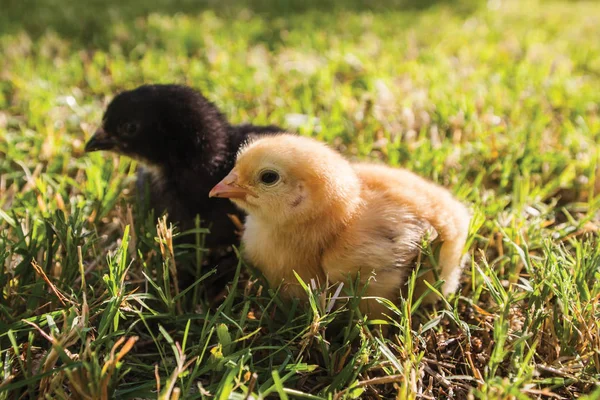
[313, 212]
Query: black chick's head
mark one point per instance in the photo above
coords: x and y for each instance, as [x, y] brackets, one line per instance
[160, 124]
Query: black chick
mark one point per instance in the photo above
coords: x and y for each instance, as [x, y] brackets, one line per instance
[187, 146]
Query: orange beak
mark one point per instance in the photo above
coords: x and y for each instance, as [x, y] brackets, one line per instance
[229, 189]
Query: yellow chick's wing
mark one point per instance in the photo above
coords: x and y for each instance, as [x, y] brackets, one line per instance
[380, 244]
[425, 201]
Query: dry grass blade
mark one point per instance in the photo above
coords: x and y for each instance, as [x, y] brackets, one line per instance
[170, 390]
[59, 346]
[110, 365]
[61, 297]
[251, 385]
[371, 382]
[165, 241]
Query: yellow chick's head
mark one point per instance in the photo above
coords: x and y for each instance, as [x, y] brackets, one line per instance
[290, 179]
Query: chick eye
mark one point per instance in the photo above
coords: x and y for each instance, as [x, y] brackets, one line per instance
[130, 128]
[269, 177]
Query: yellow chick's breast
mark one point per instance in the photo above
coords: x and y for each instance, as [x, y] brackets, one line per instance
[277, 253]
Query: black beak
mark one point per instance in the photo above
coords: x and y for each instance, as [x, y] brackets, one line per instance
[100, 141]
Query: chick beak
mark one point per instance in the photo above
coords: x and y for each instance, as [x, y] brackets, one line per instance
[229, 189]
[100, 141]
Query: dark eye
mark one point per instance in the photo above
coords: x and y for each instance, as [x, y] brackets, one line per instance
[130, 128]
[269, 177]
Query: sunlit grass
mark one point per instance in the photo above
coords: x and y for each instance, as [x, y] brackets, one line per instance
[499, 101]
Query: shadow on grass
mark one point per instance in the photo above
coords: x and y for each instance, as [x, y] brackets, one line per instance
[89, 23]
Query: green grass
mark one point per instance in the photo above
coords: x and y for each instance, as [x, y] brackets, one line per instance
[500, 101]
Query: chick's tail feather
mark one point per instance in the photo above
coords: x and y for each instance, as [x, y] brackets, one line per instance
[452, 225]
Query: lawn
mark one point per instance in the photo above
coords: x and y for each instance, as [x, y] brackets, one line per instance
[497, 100]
